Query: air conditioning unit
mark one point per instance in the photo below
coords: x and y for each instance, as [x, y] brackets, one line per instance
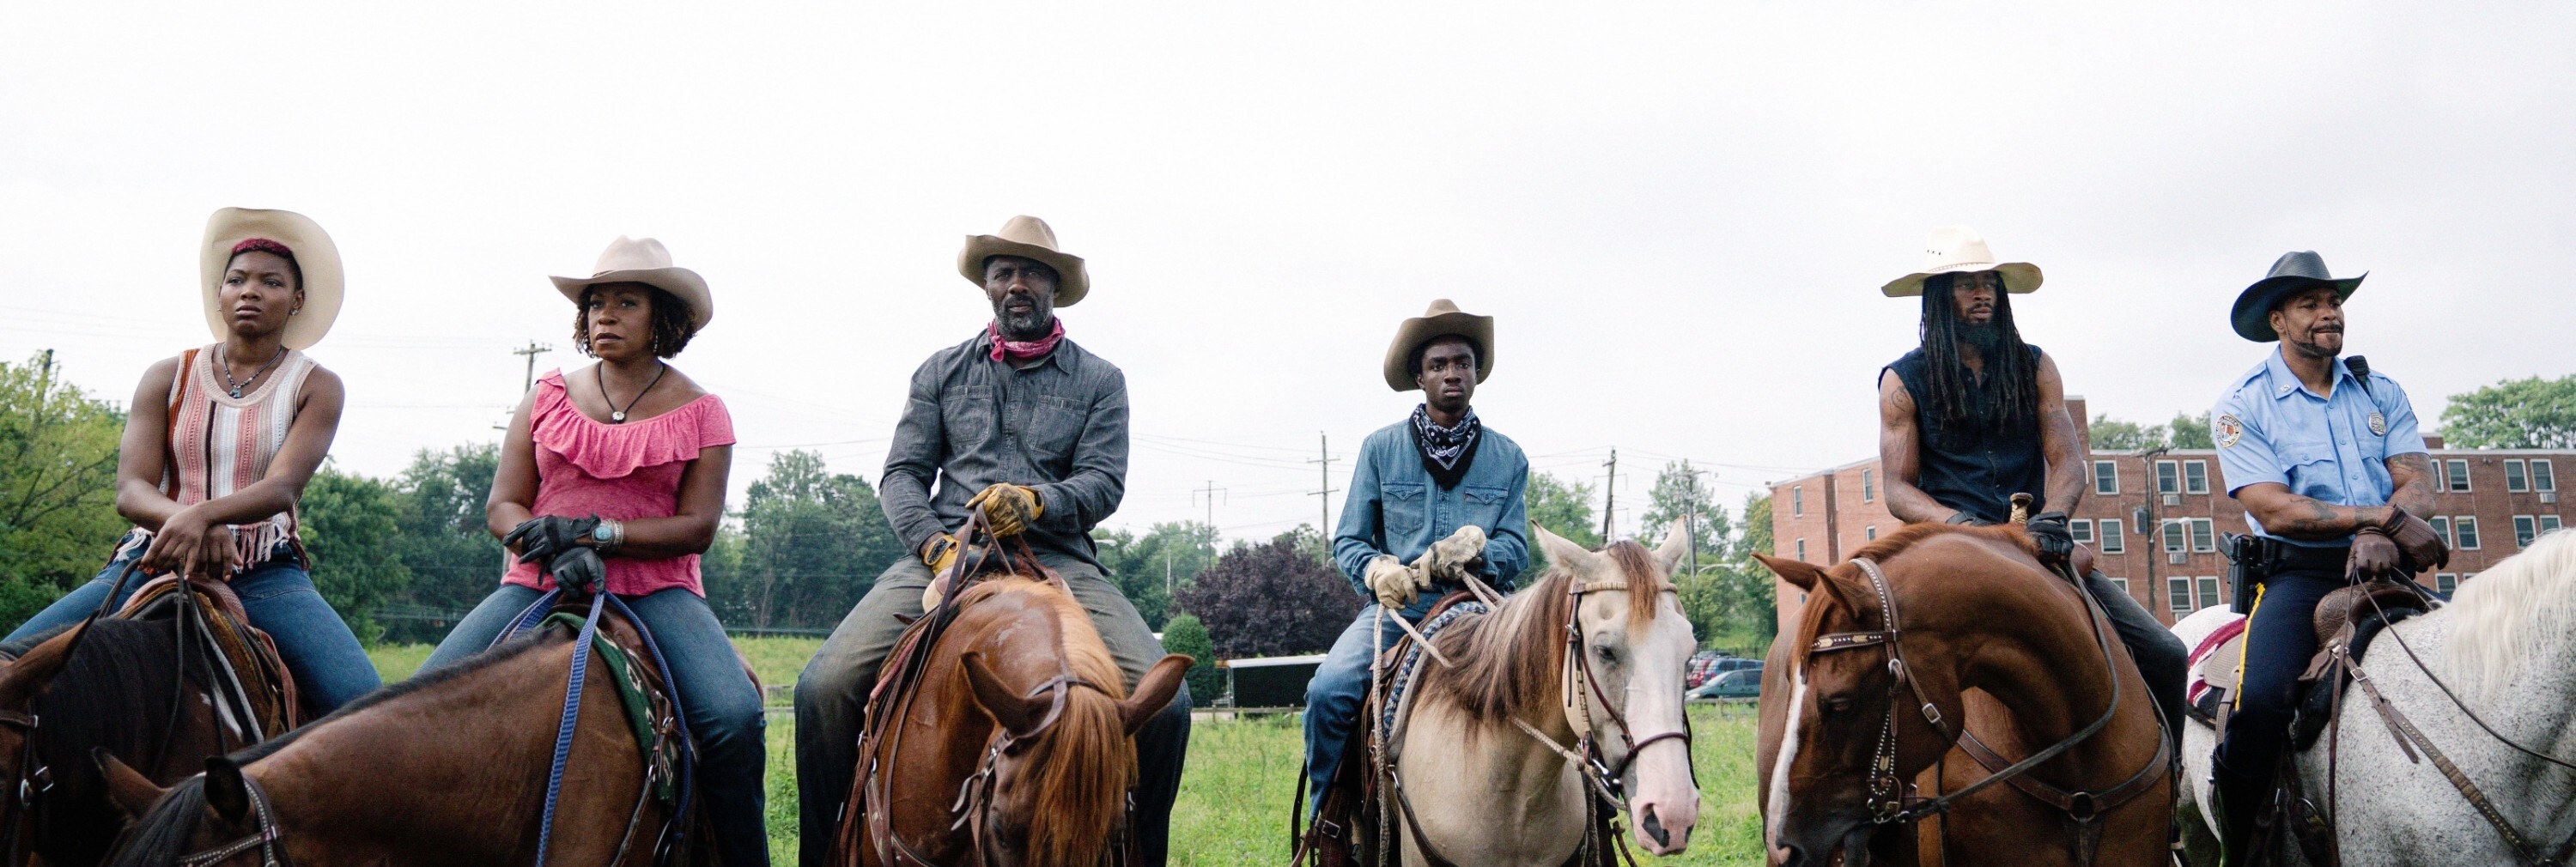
[2176, 557]
[2548, 497]
[2173, 499]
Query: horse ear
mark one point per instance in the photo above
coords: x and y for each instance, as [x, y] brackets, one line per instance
[1677, 544]
[1017, 713]
[131, 792]
[1559, 551]
[1154, 692]
[225, 790]
[1799, 573]
[29, 675]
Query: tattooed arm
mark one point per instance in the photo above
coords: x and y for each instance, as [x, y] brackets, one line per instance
[2296, 517]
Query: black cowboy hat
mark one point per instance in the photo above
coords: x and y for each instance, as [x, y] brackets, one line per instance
[2294, 272]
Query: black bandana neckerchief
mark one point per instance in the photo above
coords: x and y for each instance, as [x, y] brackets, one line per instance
[1446, 451]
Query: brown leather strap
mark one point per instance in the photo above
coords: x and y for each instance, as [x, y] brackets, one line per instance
[1413, 826]
[2405, 730]
[2078, 805]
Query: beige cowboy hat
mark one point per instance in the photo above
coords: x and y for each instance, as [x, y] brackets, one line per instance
[1959, 249]
[1027, 237]
[316, 258]
[643, 260]
[1442, 320]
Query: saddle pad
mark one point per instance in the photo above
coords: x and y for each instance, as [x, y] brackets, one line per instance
[631, 693]
[2214, 662]
[1398, 683]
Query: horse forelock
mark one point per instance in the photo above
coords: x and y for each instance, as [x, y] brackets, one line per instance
[2514, 607]
[1645, 582]
[167, 832]
[1080, 767]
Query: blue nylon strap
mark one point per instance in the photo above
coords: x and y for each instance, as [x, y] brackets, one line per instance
[528, 617]
[581, 651]
[679, 716]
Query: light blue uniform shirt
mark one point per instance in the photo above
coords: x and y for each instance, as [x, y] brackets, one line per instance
[1396, 508]
[2270, 428]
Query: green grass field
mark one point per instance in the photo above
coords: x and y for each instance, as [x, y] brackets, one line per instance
[1234, 796]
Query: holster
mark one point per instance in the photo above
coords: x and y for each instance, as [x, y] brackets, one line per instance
[2250, 559]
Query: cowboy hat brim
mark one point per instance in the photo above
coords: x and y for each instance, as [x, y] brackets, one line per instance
[1072, 280]
[1423, 329]
[316, 258]
[2020, 278]
[2253, 313]
[682, 283]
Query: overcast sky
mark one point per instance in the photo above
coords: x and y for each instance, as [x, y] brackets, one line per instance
[1679, 216]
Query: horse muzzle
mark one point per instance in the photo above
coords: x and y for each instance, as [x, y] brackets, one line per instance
[1663, 827]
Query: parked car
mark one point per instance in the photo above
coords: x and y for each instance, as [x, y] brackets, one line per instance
[1709, 663]
[1740, 683]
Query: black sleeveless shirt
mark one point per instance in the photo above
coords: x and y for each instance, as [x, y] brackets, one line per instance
[1974, 466]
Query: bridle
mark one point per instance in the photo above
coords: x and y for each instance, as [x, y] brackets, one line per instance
[1582, 693]
[974, 805]
[263, 836]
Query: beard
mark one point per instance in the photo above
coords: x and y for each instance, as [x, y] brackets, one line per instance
[1988, 337]
[1024, 325]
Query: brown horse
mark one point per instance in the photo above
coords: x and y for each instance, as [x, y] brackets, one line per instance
[1014, 749]
[448, 767]
[1985, 635]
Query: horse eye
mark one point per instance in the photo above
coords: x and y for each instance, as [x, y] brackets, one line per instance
[1607, 655]
[1838, 706]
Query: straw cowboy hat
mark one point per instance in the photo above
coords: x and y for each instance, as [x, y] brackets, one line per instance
[1442, 320]
[1958, 250]
[2295, 271]
[316, 258]
[1029, 238]
[642, 260]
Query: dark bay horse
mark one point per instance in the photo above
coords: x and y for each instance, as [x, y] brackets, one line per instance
[449, 767]
[1982, 634]
[1014, 749]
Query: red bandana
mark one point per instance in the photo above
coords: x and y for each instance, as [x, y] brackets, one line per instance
[263, 245]
[1023, 350]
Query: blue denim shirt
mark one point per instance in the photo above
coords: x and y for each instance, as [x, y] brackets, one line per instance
[2270, 428]
[1395, 507]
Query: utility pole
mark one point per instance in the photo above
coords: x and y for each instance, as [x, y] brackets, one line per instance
[532, 350]
[45, 378]
[2146, 521]
[1690, 517]
[1610, 497]
[1324, 492]
[1212, 490]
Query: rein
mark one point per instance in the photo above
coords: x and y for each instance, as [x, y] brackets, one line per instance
[974, 804]
[264, 837]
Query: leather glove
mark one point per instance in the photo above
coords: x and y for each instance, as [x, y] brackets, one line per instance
[939, 552]
[2048, 532]
[2423, 547]
[1452, 558]
[1395, 584]
[542, 538]
[579, 569]
[2374, 555]
[1008, 508]
[1962, 517]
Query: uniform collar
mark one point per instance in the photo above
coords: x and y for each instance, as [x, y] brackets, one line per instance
[2280, 382]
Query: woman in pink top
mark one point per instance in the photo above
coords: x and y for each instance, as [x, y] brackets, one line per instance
[614, 476]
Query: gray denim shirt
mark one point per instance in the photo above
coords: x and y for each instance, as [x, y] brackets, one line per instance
[1396, 508]
[971, 422]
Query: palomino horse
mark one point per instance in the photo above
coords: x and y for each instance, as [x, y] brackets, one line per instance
[2506, 649]
[1491, 755]
[450, 767]
[1933, 625]
[1014, 746]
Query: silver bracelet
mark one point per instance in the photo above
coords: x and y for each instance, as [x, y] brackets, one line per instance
[609, 535]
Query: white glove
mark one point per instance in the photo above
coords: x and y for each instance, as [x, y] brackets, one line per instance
[1395, 584]
[1448, 559]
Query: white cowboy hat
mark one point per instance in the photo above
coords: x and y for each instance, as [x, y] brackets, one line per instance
[1027, 237]
[316, 258]
[642, 260]
[1442, 320]
[1959, 249]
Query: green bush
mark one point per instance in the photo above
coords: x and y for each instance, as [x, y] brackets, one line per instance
[1186, 635]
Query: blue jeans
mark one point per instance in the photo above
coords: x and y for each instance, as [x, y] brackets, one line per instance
[329, 666]
[1340, 682]
[723, 709]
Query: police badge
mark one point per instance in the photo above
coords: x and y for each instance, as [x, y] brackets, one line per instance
[2226, 430]
[2378, 424]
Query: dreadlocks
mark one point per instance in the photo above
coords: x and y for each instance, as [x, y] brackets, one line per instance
[2011, 392]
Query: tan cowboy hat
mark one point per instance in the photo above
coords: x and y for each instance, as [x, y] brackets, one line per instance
[642, 260]
[1027, 237]
[316, 258]
[1442, 320]
[1959, 249]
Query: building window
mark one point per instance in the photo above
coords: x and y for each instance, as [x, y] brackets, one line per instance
[2168, 477]
[1869, 533]
[2195, 477]
[2442, 528]
[1868, 485]
[2178, 595]
[2111, 541]
[2106, 477]
[2174, 533]
[2204, 535]
[1797, 500]
[2548, 524]
[2209, 591]
[2466, 528]
[2524, 528]
[2081, 529]
[2459, 474]
[2541, 478]
[2447, 583]
[1802, 549]
[2517, 479]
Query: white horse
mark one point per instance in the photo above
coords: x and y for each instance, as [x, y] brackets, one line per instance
[1487, 791]
[2507, 646]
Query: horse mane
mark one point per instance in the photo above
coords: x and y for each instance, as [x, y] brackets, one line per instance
[416, 684]
[1080, 767]
[166, 833]
[1892, 544]
[113, 694]
[1509, 660]
[2525, 601]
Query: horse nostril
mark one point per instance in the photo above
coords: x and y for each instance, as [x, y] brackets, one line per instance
[1654, 828]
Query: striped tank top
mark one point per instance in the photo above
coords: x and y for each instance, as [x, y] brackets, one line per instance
[220, 443]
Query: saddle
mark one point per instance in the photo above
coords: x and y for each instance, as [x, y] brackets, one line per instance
[2347, 620]
[651, 714]
[248, 661]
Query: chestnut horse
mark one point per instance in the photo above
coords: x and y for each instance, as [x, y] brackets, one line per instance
[1982, 633]
[1015, 746]
[445, 768]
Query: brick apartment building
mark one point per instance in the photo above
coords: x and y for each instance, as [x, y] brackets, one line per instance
[2156, 518]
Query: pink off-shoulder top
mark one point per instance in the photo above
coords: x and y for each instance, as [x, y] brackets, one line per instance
[622, 471]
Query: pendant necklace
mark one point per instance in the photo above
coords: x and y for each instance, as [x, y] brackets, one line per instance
[227, 367]
[615, 415]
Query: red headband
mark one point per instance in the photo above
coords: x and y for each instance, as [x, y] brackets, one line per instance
[263, 245]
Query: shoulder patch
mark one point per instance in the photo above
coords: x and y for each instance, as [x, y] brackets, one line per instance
[2226, 430]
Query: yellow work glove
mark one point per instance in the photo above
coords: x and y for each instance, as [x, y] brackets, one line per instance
[939, 552]
[1395, 584]
[1008, 508]
[1448, 559]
